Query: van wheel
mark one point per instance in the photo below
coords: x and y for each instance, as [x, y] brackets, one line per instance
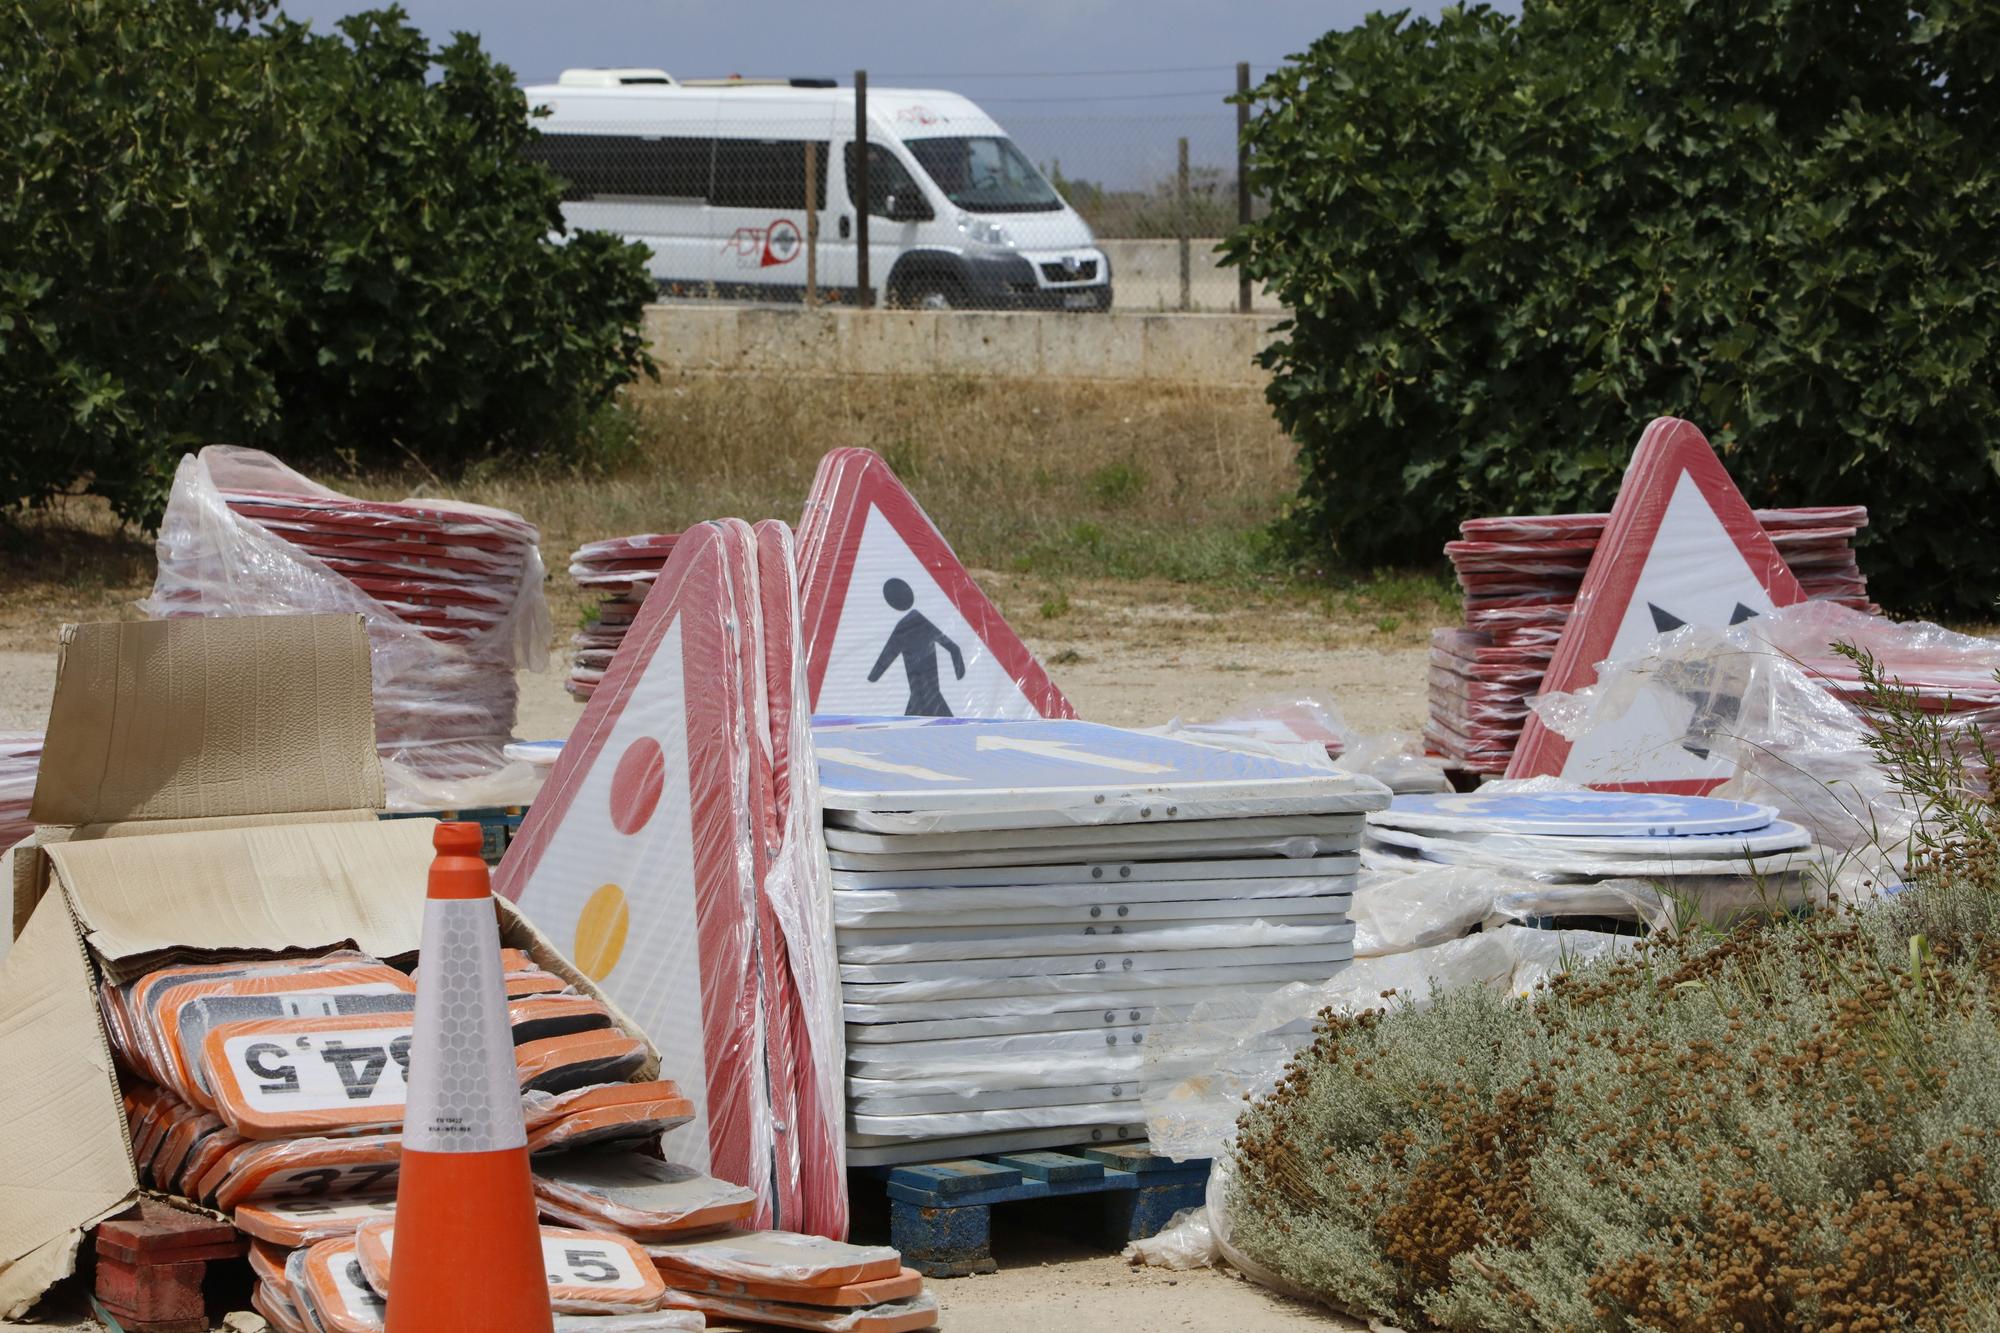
[928, 294]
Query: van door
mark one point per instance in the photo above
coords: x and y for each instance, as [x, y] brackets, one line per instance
[758, 199]
[897, 209]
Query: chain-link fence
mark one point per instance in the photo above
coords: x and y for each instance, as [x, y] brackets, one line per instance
[747, 189]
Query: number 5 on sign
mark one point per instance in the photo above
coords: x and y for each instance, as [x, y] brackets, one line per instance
[589, 1272]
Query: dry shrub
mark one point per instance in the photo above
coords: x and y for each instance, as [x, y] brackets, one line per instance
[1788, 1127]
[1791, 1126]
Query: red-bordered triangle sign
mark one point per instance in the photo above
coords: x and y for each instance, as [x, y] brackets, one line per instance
[802, 1032]
[1681, 548]
[637, 861]
[892, 621]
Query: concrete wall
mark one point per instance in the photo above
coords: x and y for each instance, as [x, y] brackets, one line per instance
[1198, 349]
[1146, 275]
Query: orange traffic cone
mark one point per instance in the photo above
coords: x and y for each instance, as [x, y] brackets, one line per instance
[468, 1257]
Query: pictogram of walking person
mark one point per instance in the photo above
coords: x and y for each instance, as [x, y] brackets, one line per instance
[916, 641]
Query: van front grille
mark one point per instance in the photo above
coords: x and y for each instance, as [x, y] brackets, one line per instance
[1085, 271]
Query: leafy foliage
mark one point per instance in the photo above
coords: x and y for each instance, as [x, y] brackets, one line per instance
[1509, 243]
[217, 225]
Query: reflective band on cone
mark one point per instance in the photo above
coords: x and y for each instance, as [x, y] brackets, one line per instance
[471, 1258]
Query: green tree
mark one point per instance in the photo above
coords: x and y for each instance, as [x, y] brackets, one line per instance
[1508, 243]
[218, 225]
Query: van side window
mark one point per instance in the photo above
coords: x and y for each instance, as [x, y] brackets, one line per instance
[886, 176]
[625, 164]
[764, 173]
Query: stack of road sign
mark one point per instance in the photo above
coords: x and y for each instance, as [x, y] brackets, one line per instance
[1524, 581]
[1015, 901]
[774, 1277]
[619, 570]
[273, 1090]
[674, 855]
[20, 758]
[452, 594]
[1576, 837]
[675, 851]
[892, 622]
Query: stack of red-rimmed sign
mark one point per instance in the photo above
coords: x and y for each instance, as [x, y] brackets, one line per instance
[1520, 576]
[452, 595]
[619, 569]
[20, 757]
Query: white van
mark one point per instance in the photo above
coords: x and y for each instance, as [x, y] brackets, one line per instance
[710, 175]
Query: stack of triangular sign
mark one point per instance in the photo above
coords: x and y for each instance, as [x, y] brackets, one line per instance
[1681, 547]
[675, 852]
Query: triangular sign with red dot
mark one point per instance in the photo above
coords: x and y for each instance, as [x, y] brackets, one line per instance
[637, 858]
[1682, 547]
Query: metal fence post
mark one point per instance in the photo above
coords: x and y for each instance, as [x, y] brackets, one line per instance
[812, 222]
[1242, 176]
[864, 288]
[1181, 226]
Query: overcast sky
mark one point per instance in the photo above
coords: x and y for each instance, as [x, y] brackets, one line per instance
[1105, 85]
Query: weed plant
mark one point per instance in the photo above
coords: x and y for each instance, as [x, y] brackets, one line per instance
[1791, 1125]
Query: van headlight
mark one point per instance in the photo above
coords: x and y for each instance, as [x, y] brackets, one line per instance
[984, 232]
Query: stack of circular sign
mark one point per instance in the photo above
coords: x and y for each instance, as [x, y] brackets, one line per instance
[20, 757]
[1014, 903]
[451, 595]
[621, 570]
[1520, 577]
[1584, 836]
[453, 573]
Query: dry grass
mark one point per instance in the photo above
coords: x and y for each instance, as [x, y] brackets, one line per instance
[1054, 487]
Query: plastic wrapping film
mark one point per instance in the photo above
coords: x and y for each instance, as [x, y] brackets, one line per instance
[639, 861]
[451, 594]
[1200, 1067]
[1305, 728]
[1751, 697]
[20, 758]
[638, 1196]
[892, 622]
[774, 1256]
[1681, 548]
[802, 1000]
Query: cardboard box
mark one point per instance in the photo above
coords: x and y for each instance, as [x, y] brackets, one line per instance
[213, 786]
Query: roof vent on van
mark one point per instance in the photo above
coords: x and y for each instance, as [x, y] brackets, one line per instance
[613, 78]
[758, 81]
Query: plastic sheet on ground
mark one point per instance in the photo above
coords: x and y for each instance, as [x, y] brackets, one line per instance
[1310, 730]
[1200, 1068]
[451, 594]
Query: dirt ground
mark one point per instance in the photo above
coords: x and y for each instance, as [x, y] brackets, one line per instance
[1127, 653]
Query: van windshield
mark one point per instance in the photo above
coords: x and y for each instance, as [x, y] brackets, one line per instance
[985, 174]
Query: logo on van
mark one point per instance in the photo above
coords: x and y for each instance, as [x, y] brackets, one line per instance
[917, 115]
[764, 247]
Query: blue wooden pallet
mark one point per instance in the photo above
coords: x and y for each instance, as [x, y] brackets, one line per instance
[941, 1213]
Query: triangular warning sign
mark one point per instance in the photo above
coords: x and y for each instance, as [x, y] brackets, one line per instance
[803, 1038]
[635, 860]
[893, 623]
[1681, 548]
